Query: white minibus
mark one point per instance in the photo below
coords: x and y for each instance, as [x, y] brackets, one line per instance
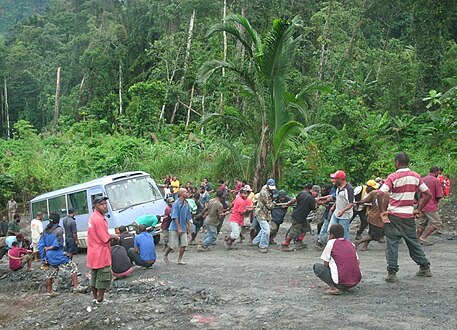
[130, 195]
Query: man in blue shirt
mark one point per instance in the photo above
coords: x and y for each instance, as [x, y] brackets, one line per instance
[51, 249]
[143, 252]
[180, 226]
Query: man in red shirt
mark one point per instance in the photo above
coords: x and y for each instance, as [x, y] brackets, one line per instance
[18, 257]
[240, 206]
[430, 217]
[99, 250]
[398, 216]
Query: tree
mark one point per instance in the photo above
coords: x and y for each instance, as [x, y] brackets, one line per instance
[263, 76]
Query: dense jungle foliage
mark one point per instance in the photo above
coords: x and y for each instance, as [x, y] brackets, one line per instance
[224, 89]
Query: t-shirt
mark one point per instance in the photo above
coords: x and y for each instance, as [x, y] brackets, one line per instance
[13, 226]
[175, 186]
[239, 207]
[126, 240]
[98, 246]
[181, 211]
[192, 206]
[403, 185]
[215, 208]
[373, 211]
[69, 226]
[10, 240]
[145, 243]
[305, 204]
[12, 206]
[36, 227]
[166, 218]
[343, 262]
[344, 196]
[120, 260]
[15, 254]
[437, 192]
[148, 220]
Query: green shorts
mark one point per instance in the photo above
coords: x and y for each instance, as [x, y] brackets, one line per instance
[298, 227]
[101, 278]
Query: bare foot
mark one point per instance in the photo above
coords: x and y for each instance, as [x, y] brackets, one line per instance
[364, 248]
[333, 291]
[165, 259]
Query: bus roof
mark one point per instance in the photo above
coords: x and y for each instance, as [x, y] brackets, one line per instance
[97, 182]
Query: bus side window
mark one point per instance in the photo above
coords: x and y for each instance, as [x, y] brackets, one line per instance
[57, 205]
[78, 201]
[41, 206]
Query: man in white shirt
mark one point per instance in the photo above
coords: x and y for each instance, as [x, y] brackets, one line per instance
[36, 227]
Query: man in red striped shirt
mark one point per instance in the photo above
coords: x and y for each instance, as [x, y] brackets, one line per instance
[399, 215]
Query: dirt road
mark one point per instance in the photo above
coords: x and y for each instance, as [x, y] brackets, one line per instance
[244, 289]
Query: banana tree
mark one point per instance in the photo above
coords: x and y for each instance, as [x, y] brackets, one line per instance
[262, 74]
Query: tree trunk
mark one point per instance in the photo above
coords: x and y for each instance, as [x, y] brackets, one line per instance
[348, 51]
[7, 111]
[57, 104]
[186, 59]
[320, 75]
[259, 174]
[224, 37]
[190, 104]
[120, 88]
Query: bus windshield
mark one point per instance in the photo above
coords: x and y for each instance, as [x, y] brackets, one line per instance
[134, 191]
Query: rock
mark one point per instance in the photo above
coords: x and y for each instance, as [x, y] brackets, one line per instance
[89, 309]
[106, 321]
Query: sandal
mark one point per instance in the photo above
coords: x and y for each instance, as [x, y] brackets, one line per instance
[182, 263]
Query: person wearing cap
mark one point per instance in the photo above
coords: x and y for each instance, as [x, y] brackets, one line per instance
[179, 227]
[166, 220]
[278, 213]
[51, 250]
[263, 215]
[99, 250]
[71, 233]
[360, 208]
[398, 213]
[344, 202]
[430, 219]
[240, 206]
[36, 229]
[306, 202]
[375, 223]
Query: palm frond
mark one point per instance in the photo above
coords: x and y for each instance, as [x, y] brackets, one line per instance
[254, 36]
[232, 30]
[209, 67]
[284, 132]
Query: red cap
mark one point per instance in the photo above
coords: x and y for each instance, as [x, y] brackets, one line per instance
[338, 175]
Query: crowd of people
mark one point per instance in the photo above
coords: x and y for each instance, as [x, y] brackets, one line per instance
[402, 206]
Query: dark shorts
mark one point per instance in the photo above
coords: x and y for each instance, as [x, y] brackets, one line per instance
[298, 227]
[374, 232]
[70, 246]
[101, 278]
